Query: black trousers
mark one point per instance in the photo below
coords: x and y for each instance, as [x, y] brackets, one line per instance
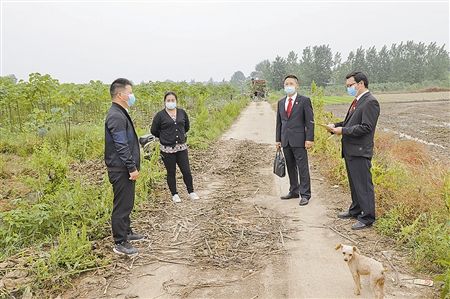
[361, 187]
[170, 162]
[297, 164]
[123, 203]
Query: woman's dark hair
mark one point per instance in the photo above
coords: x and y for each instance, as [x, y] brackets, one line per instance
[170, 93]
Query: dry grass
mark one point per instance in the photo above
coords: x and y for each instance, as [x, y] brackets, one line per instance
[406, 175]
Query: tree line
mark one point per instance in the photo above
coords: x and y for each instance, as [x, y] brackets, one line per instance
[408, 62]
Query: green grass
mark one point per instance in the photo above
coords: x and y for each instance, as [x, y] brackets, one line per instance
[337, 99]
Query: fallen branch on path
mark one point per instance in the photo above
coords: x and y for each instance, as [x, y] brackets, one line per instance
[209, 248]
[281, 235]
[146, 274]
[342, 235]
[177, 234]
[107, 286]
[167, 261]
[259, 211]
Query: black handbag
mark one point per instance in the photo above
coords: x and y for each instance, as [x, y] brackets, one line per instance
[279, 164]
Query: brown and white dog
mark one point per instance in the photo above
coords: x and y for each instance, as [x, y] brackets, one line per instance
[363, 265]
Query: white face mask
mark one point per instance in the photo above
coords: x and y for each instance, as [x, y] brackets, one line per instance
[171, 105]
[289, 90]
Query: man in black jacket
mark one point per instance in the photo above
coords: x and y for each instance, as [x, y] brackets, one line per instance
[295, 134]
[358, 130]
[122, 158]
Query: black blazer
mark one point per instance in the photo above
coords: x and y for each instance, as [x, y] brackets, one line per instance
[299, 127]
[358, 127]
[170, 132]
[122, 151]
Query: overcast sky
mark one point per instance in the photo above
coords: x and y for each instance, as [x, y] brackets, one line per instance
[77, 41]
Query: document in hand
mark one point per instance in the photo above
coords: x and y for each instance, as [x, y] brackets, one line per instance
[329, 129]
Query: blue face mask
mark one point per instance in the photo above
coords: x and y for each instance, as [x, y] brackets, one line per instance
[290, 90]
[131, 100]
[351, 90]
[171, 105]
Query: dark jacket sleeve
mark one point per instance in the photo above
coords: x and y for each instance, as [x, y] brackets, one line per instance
[278, 127]
[309, 120]
[117, 126]
[187, 124]
[369, 120]
[156, 126]
[341, 123]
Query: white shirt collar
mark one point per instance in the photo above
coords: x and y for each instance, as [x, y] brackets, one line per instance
[358, 97]
[293, 97]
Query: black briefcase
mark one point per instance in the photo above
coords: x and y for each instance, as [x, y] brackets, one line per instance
[279, 164]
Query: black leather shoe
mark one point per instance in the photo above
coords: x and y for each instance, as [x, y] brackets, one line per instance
[303, 201]
[134, 237]
[290, 195]
[345, 215]
[359, 225]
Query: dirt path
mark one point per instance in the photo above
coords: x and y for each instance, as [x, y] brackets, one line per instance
[312, 268]
[240, 240]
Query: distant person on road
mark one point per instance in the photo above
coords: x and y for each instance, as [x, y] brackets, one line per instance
[170, 125]
[358, 130]
[122, 158]
[295, 134]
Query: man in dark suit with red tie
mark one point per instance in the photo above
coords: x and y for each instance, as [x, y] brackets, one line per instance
[358, 130]
[295, 134]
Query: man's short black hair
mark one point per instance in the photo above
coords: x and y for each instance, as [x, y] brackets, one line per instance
[118, 84]
[291, 76]
[359, 76]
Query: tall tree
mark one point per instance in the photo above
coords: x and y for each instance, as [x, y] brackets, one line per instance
[359, 61]
[292, 66]
[238, 79]
[372, 64]
[278, 70]
[306, 66]
[323, 62]
[437, 62]
[262, 70]
[384, 65]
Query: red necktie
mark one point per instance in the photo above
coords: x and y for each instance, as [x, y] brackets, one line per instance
[289, 108]
[353, 106]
